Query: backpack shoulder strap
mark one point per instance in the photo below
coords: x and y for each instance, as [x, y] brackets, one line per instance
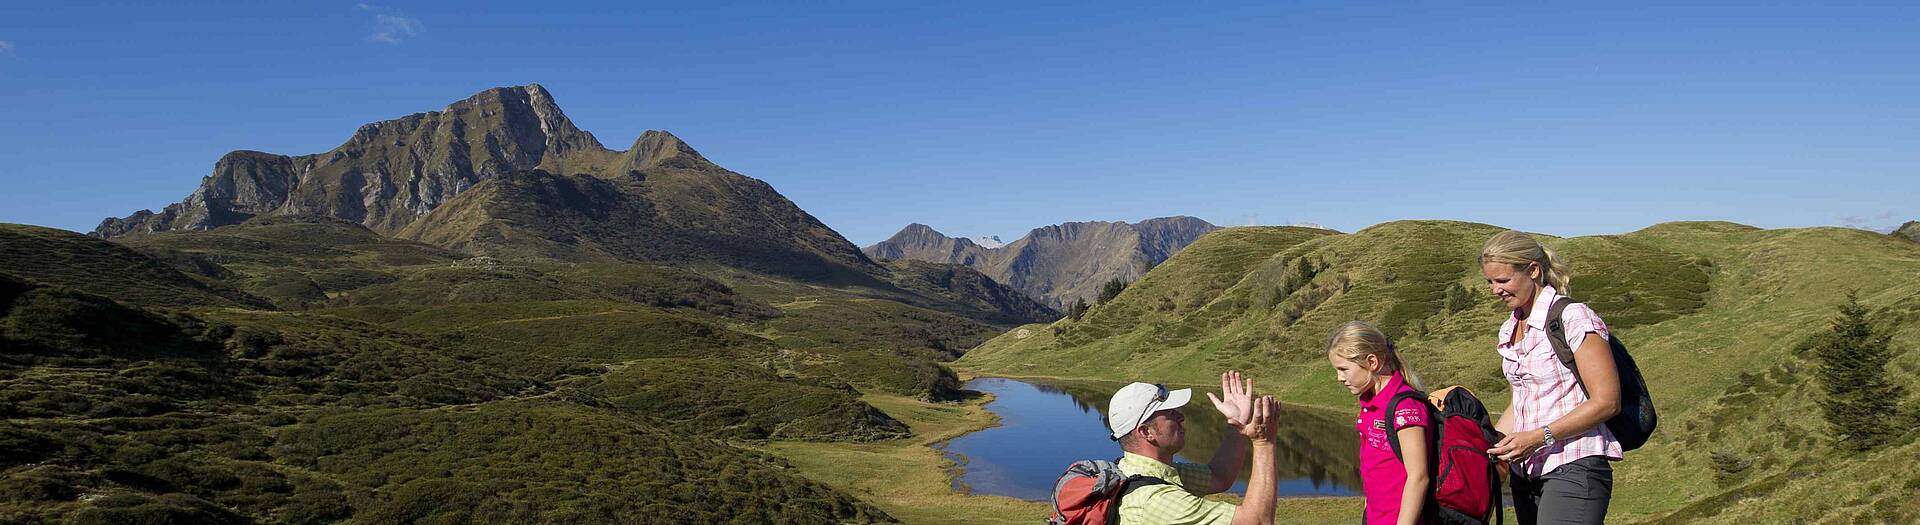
[1127, 487]
[1557, 336]
[1393, 426]
[1137, 481]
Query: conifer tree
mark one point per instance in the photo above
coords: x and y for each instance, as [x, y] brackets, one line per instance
[1112, 289]
[1861, 404]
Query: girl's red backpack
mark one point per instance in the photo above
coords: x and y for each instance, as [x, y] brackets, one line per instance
[1466, 481]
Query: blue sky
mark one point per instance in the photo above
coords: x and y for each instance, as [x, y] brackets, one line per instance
[990, 119]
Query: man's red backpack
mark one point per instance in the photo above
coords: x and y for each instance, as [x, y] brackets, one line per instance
[1089, 493]
[1466, 481]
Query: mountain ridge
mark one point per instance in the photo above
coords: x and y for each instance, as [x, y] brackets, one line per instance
[1055, 264]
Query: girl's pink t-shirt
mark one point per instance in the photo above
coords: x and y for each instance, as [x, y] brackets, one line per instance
[1382, 476]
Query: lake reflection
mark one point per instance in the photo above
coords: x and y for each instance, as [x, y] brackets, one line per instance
[1044, 426]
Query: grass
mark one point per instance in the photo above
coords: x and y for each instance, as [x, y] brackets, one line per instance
[91, 265]
[908, 478]
[230, 416]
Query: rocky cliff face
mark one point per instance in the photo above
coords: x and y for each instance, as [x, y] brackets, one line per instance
[1055, 264]
[388, 173]
[505, 173]
[1909, 231]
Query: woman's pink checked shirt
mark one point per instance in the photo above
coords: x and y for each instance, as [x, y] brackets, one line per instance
[1544, 390]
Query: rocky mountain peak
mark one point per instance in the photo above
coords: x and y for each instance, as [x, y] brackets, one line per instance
[390, 172]
[660, 148]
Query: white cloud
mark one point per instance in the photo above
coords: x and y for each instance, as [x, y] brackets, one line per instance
[6, 47]
[390, 26]
[1882, 222]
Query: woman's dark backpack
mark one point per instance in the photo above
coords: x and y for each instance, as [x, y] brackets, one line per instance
[1466, 481]
[1636, 419]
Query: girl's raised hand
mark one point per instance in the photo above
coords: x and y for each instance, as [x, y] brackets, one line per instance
[1261, 420]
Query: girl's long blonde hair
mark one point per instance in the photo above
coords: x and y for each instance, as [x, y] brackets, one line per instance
[1518, 249]
[1356, 340]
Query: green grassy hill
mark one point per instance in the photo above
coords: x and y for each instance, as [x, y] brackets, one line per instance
[319, 413]
[231, 416]
[88, 264]
[1714, 313]
[293, 261]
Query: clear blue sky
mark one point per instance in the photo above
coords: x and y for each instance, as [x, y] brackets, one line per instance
[984, 119]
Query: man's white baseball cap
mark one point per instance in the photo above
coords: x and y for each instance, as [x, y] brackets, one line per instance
[1134, 403]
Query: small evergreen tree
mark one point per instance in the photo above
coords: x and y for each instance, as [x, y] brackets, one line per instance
[1112, 289]
[1861, 404]
[1078, 310]
[1456, 298]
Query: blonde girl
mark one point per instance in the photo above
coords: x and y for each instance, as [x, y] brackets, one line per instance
[1365, 362]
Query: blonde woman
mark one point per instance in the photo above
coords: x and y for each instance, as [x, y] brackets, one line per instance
[1555, 438]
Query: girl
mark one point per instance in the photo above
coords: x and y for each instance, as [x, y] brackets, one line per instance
[1555, 441]
[1396, 490]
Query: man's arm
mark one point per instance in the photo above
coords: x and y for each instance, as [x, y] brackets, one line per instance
[1262, 489]
[1227, 461]
[1236, 402]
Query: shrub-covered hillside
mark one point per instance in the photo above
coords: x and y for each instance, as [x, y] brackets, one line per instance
[117, 414]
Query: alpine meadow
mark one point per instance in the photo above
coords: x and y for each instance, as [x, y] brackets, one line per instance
[482, 314]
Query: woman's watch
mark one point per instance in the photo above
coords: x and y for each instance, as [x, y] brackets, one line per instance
[1548, 442]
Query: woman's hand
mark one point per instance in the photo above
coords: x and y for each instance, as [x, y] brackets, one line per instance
[1518, 445]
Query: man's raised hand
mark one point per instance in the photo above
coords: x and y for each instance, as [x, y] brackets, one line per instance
[1235, 400]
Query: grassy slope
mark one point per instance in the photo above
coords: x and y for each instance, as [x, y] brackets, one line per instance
[237, 417]
[295, 262]
[1714, 315]
[667, 349]
[88, 264]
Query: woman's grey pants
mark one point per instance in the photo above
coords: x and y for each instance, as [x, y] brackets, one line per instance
[1572, 494]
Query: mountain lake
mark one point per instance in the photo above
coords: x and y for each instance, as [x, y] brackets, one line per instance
[1046, 425]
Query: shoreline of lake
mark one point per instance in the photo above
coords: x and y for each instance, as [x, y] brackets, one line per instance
[1043, 424]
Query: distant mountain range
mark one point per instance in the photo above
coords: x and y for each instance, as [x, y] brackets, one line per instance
[987, 241]
[1055, 264]
[505, 174]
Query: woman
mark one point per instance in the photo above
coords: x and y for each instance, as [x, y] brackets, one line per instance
[1556, 440]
